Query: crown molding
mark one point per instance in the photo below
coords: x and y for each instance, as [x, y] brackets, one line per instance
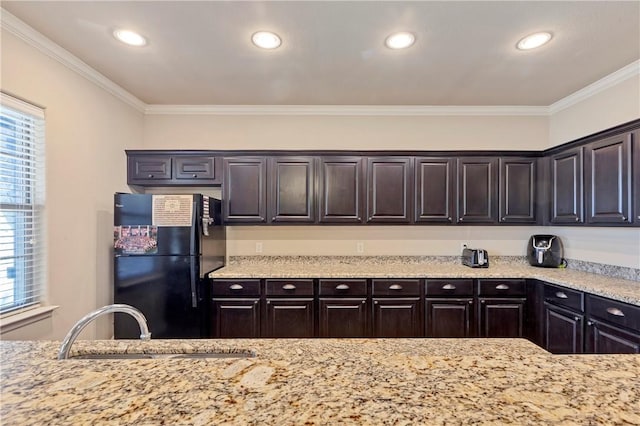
[32, 37]
[624, 73]
[347, 110]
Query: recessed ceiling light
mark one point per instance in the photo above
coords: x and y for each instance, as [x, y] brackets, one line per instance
[266, 39]
[534, 40]
[400, 40]
[130, 37]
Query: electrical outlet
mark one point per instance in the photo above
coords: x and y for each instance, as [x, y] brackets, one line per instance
[258, 247]
[359, 247]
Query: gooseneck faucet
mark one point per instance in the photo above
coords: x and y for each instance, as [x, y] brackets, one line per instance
[71, 337]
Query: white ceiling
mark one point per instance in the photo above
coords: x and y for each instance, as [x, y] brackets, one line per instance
[333, 54]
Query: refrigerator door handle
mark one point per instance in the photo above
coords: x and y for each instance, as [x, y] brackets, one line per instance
[194, 284]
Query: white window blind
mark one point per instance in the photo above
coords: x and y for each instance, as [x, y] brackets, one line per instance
[22, 196]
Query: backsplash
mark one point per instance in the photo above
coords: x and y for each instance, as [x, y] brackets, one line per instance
[632, 274]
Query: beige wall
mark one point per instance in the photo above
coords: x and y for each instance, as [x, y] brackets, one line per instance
[87, 130]
[345, 132]
[616, 105]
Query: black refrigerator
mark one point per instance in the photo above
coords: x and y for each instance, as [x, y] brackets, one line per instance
[164, 247]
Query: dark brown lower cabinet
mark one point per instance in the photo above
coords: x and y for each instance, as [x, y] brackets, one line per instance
[397, 317]
[564, 330]
[343, 317]
[289, 318]
[235, 318]
[449, 317]
[607, 339]
[501, 317]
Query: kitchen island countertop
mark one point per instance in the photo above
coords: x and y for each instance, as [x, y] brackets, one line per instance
[319, 381]
[407, 267]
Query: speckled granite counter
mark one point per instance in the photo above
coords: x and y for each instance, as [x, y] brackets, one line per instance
[399, 267]
[319, 381]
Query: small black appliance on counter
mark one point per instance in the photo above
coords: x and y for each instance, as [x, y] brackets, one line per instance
[545, 251]
[475, 258]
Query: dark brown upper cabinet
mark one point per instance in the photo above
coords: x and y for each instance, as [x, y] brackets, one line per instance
[291, 189]
[244, 190]
[148, 169]
[477, 189]
[340, 189]
[389, 189]
[636, 176]
[608, 180]
[566, 194]
[434, 189]
[517, 190]
[198, 170]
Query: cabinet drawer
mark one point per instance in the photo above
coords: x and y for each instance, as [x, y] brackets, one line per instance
[452, 287]
[289, 287]
[235, 288]
[564, 297]
[502, 288]
[614, 312]
[396, 287]
[344, 287]
[149, 168]
[197, 168]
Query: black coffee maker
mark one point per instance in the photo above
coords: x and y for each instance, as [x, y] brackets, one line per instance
[545, 251]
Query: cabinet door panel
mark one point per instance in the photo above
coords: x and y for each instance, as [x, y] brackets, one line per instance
[608, 177]
[397, 317]
[563, 331]
[434, 190]
[389, 189]
[235, 318]
[477, 190]
[449, 317]
[292, 193]
[606, 339]
[566, 187]
[517, 190]
[343, 317]
[340, 189]
[244, 190]
[289, 318]
[501, 317]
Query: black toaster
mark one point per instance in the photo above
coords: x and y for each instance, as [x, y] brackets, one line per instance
[475, 258]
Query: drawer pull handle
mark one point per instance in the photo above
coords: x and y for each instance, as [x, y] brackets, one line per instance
[502, 287]
[561, 295]
[395, 287]
[615, 311]
[448, 287]
[288, 287]
[236, 287]
[342, 287]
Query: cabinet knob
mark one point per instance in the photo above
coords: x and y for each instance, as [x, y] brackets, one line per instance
[236, 287]
[624, 218]
[342, 287]
[195, 175]
[577, 219]
[561, 295]
[471, 302]
[502, 287]
[615, 311]
[150, 176]
[268, 302]
[448, 287]
[288, 287]
[375, 302]
[504, 218]
[364, 301]
[449, 218]
[590, 323]
[576, 319]
[255, 302]
[395, 287]
[483, 302]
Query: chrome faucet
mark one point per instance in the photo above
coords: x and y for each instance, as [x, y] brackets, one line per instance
[71, 337]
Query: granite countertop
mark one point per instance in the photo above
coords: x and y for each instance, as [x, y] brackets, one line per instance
[319, 381]
[399, 267]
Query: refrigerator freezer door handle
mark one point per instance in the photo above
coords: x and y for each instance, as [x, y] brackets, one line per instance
[194, 285]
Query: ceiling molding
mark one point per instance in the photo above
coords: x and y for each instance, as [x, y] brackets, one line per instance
[624, 73]
[32, 37]
[347, 110]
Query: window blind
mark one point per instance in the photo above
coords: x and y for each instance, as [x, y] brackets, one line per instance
[22, 202]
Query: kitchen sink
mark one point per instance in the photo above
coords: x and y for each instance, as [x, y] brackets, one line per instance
[195, 355]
